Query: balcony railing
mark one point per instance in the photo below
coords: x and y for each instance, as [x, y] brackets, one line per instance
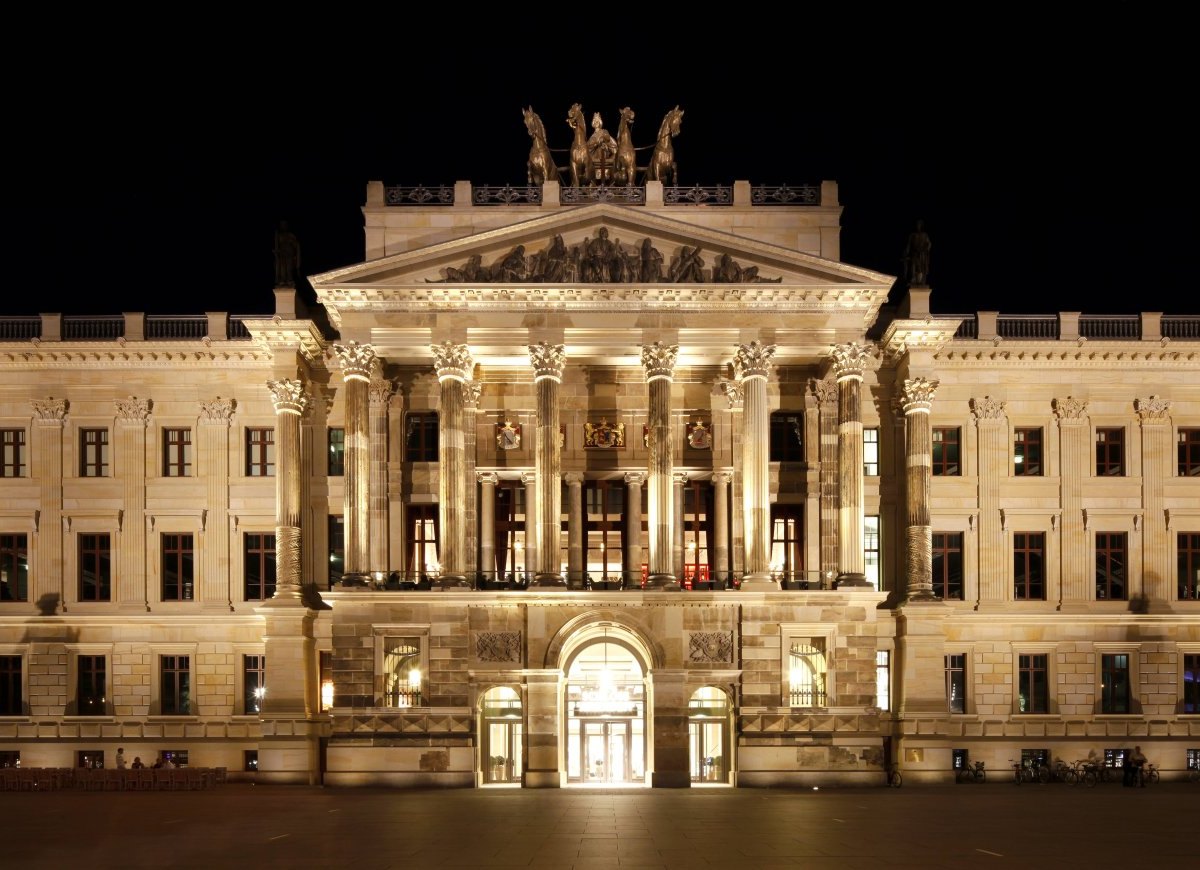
[807, 697]
[86, 328]
[184, 327]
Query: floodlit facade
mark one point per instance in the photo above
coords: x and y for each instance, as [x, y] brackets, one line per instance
[566, 486]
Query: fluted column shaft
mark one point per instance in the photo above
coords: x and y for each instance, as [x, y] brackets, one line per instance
[453, 364]
[918, 453]
[659, 362]
[575, 529]
[377, 490]
[529, 480]
[633, 527]
[487, 524]
[721, 526]
[357, 362]
[290, 403]
[679, 479]
[849, 363]
[827, 404]
[753, 362]
[548, 362]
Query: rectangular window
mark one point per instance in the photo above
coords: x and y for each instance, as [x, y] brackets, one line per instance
[423, 541]
[956, 683]
[250, 760]
[1112, 560]
[175, 685]
[337, 550]
[91, 686]
[177, 452]
[95, 568]
[402, 672]
[337, 452]
[1114, 683]
[1029, 560]
[11, 700]
[1188, 565]
[883, 679]
[177, 561]
[1110, 452]
[1191, 683]
[871, 451]
[1027, 452]
[14, 568]
[1032, 683]
[325, 676]
[93, 452]
[10, 758]
[1193, 759]
[260, 452]
[787, 545]
[806, 673]
[12, 452]
[1189, 452]
[421, 438]
[259, 566]
[946, 459]
[948, 565]
[254, 683]
[787, 437]
[871, 550]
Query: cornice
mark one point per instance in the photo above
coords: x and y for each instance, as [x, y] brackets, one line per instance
[1092, 355]
[147, 356]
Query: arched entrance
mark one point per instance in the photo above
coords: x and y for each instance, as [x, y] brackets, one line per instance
[501, 750]
[606, 735]
[708, 735]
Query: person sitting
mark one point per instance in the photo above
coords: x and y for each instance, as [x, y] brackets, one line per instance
[137, 763]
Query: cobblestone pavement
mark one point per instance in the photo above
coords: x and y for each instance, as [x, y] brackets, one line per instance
[964, 826]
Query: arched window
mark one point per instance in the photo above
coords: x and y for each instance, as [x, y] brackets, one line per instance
[806, 675]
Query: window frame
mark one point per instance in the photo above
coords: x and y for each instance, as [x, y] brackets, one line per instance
[93, 451]
[335, 532]
[781, 447]
[1023, 446]
[1104, 695]
[185, 568]
[1187, 576]
[75, 655]
[1189, 689]
[13, 449]
[944, 554]
[103, 569]
[1026, 548]
[177, 450]
[873, 567]
[259, 446]
[1110, 451]
[246, 685]
[159, 699]
[267, 555]
[17, 704]
[1048, 699]
[1187, 451]
[808, 633]
[949, 671]
[16, 554]
[883, 680]
[940, 464]
[421, 436]
[335, 439]
[400, 631]
[871, 448]
[1111, 551]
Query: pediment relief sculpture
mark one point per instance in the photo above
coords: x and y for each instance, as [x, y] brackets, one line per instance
[601, 260]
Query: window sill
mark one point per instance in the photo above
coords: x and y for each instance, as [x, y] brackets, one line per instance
[173, 717]
[102, 718]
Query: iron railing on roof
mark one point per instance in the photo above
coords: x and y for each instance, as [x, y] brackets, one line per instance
[93, 328]
[1185, 326]
[237, 325]
[782, 194]
[1110, 326]
[1027, 326]
[506, 195]
[718, 194]
[418, 195]
[176, 327]
[20, 328]
[969, 328]
[603, 193]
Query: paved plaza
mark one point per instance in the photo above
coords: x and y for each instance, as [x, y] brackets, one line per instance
[996, 825]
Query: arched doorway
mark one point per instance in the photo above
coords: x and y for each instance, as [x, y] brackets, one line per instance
[606, 740]
[501, 750]
[708, 735]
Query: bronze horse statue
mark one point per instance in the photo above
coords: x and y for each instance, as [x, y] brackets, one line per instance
[540, 167]
[626, 172]
[662, 162]
[581, 157]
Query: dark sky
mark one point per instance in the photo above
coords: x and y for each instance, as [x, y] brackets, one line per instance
[1052, 166]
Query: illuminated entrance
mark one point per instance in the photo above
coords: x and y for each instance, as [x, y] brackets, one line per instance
[501, 751]
[606, 715]
[708, 735]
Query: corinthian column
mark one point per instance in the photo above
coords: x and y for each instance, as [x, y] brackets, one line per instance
[290, 403]
[548, 361]
[659, 361]
[917, 398]
[849, 362]
[576, 530]
[453, 364]
[632, 569]
[487, 526]
[752, 363]
[357, 362]
[377, 490]
[721, 527]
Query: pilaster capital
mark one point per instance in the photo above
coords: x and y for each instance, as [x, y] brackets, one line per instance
[917, 395]
[132, 410]
[289, 396]
[988, 408]
[358, 360]
[825, 390]
[1153, 409]
[381, 390]
[528, 477]
[1070, 409]
[635, 478]
[548, 360]
[732, 391]
[472, 390]
[722, 478]
[658, 359]
[452, 361]
[573, 478]
[49, 410]
[679, 478]
[753, 360]
[487, 478]
[851, 360]
[217, 410]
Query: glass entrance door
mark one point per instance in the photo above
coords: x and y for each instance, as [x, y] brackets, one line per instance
[502, 754]
[606, 749]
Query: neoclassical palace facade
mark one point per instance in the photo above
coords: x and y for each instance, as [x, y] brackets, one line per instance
[569, 486]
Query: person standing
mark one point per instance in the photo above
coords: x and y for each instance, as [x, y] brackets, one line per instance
[1137, 761]
[120, 758]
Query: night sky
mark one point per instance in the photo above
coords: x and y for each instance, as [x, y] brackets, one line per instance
[1046, 168]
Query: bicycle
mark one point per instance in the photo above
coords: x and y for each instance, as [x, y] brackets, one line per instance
[1064, 772]
[972, 772]
[1150, 775]
[1029, 771]
[894, 779]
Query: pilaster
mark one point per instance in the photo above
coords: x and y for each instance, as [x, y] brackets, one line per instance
[1157, 578]
[1074, 443]
[47, 590]
[995, 554]
[133, 415]
[212, 464]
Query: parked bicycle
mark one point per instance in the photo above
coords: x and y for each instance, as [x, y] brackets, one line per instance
[1029, 771]
[1149, 774]
[1064, 772]
[894, 779]
[972, 772]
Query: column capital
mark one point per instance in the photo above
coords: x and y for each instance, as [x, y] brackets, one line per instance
[574, 478]
[452, 361]
[1153, 409]
[358, 360]
[548, 360]
[289, 396]
[753, 360]
[488, 478]
[132, 410]
[722, 478]
[635, 478]
[528, 477]
[658, 359]
[217, 410]
[851, 360]
[381, 390]
[917, 394]
[49, 410]
[679, 478]
[988, 408]
[1069, 409]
